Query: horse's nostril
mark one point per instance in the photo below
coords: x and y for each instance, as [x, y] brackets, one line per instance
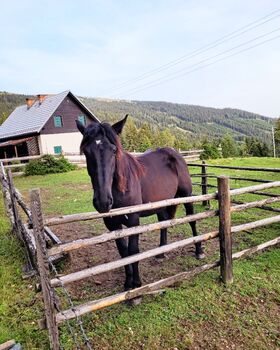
[110, 201]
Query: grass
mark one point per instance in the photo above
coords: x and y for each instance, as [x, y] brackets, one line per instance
[198, 314]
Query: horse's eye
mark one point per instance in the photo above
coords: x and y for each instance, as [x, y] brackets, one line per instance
[114, 150]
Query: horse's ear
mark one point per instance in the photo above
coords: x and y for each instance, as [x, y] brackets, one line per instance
[119, 125]
[80, 126]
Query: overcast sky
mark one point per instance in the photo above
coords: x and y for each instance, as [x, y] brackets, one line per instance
[103, 48]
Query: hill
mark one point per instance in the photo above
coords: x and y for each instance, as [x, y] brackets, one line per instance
[197, 121]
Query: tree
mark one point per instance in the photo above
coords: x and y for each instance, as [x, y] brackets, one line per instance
[277, 136]
[130, 136]
[229, 147]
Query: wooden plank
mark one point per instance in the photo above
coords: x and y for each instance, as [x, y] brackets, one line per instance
[92, 271]
[225, 237]
[233, 178]
[63, 219]
[273, 170]
[257, 204]
[5, 160]
[131, 294]
[10, 166]
[113, 299]
[53, 237]
[108, 236]
[7, 345]
[255, 224]
[249, 189]
[43, 267]
[258, 248]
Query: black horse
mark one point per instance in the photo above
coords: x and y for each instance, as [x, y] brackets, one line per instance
[120, 179]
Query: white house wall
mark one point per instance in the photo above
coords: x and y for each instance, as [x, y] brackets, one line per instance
[70, 142]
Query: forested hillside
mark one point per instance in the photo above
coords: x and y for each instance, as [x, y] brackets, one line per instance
[195, 121]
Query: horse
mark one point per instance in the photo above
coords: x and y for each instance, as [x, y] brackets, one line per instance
[120, 179]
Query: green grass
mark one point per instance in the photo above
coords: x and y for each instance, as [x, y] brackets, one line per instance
[198, 314]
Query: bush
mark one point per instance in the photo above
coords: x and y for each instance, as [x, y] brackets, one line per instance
[48, 165]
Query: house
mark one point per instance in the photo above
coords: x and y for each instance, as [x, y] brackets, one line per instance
[44, 125]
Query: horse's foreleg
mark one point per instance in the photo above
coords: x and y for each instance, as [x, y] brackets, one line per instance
[133, 248]
[198, 247]
[123, 251]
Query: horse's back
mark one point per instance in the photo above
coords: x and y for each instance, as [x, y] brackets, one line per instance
[165, 173]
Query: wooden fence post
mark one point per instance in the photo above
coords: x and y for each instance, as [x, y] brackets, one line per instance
[225, 229]
[43, 267]
[16, 226]
[204, 180]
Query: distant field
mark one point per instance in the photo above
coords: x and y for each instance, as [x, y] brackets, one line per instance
[198, 314]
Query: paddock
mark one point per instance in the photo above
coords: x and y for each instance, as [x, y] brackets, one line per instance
[224, 219]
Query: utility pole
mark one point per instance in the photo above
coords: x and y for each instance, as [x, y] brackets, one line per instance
[273, 143]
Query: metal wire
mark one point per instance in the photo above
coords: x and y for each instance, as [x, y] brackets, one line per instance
[78, 318]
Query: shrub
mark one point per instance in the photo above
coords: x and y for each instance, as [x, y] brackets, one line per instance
[48, 165]
[210, 151]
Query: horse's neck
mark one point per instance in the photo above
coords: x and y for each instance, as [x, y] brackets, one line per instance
[126, 175]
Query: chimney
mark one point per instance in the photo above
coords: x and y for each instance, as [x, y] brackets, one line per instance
[29, 102]
[41, 98]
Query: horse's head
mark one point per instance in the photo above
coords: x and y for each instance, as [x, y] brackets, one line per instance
[101, 147]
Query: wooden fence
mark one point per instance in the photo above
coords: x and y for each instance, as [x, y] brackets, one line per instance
[224, 233]
[22, 222]
[80, 160]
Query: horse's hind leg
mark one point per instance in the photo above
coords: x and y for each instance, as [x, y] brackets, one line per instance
[198, 247]
[162, 216]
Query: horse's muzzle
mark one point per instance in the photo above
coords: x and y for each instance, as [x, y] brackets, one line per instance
[103, 206]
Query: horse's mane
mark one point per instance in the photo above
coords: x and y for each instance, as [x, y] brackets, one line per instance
[127, 166]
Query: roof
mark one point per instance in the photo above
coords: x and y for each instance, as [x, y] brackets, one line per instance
[25, 121]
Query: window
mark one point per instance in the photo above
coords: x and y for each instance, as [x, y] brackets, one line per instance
[82, 119]
[57, 149]
[57, 121]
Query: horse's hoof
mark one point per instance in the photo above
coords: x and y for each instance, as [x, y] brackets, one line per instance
[137, 284]
[160, 256]
[200, 256]
[135, 301]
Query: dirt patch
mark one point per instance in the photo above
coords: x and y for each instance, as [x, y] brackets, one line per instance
[108, 283]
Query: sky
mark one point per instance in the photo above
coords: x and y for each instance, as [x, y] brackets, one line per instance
[179, 51]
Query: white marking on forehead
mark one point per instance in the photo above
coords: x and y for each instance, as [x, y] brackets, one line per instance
[98, 142]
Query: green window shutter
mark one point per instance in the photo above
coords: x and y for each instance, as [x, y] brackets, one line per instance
[82, 119]
[57, 121]
[57, 149]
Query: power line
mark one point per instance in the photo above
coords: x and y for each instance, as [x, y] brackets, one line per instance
[203, 66]
[225, 38]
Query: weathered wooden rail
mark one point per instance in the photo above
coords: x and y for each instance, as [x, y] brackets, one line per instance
[224, 233]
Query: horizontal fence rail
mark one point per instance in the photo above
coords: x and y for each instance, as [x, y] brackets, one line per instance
[63, 219]
[75, 276]
[273, 170]
[117, 298]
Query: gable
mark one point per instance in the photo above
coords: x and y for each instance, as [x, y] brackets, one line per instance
[69, 110]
